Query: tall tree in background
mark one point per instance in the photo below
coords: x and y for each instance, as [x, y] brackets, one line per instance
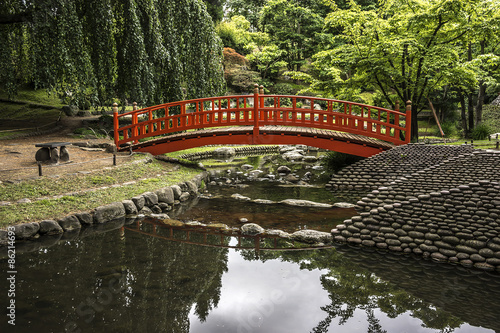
[404, 50]
[91, 51]
[250, 9]
[216, 9]
[294, 29]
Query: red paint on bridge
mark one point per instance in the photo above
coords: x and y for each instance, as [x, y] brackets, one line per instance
[341, 126]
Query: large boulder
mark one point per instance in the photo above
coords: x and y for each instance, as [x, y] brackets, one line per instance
[130, 207]
[69, 223]
[312, 236]
[224, 152]
[284, 169]
[139, 202]
[252, 229]
[150, 198]
[190, 187]
[50, 227]
[177, 191]
[26, 230]
[109, 212]
[85, 218]
[165, 195]
[70, 110]
[304, 203]
[295, 155]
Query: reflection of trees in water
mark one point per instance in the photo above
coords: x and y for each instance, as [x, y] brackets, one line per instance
[133, 283]
[443, 297]
[180, 276]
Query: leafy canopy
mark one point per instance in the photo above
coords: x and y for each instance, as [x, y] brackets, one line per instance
[148, 51]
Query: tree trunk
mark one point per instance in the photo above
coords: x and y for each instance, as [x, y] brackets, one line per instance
[480, 95]
[470, 107]
[414, 123]
[480, 102]
[470, 97]
[463, 109]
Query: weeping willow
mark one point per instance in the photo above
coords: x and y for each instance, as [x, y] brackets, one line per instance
[94, 51]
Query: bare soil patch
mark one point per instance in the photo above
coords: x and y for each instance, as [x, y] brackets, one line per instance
[17, 156]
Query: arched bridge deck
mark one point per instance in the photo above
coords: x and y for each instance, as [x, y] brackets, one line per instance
[341, 126]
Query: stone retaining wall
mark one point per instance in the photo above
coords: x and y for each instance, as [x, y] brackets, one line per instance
[238, 151]
[383, 168]
[157, 202]
[448, 211]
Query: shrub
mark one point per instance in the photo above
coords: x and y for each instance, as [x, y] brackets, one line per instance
[449, 128]
[283, 89]
[335, 161]
[481, 132]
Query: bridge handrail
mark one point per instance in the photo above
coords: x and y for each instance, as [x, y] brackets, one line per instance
[357, 118]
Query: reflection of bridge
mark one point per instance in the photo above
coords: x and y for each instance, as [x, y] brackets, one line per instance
[341, 126]
[212, 237]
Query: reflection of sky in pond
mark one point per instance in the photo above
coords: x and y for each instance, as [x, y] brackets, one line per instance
[276, 296]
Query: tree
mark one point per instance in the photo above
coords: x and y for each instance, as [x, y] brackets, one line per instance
[405, 50]
[294, 29]
[216, 9]
[267, 60]
[250, 9]
[149, 51]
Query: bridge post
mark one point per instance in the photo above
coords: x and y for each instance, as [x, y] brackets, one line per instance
[261, 103]
[135, 131]
[256, 115]
[115, 123]
[408, 121]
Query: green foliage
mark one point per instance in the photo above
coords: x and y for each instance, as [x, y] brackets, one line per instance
[268, 60]
[491, 117]
[481, 132]
[283, 89]
[294, 29]
[89, 52]
[335, 161]
[236, 34]
[236, 72]
[449, 128]
[216, 9]
[407, 50]
[250, 9]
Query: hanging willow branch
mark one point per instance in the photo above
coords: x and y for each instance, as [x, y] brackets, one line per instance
[91, 52]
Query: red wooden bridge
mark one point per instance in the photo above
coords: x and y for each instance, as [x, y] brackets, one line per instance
[342, 126]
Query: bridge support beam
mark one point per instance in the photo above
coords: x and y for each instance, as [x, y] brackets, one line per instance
[247, 138]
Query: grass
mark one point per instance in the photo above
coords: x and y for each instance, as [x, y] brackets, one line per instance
[481, 144]
[90, 194]
[23, 116]
[40, 96]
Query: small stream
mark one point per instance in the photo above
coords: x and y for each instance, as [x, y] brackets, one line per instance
[145, 277]
[220, 207]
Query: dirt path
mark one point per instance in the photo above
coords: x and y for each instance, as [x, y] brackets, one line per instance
[17, 156]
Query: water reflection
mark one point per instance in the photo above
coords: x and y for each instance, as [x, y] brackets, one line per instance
[125, 281]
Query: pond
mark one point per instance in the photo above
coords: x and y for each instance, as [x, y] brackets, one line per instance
[147, 276]
[127, 281]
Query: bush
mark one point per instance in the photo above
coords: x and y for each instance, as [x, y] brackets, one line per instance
[283, 89]
[449, 128]
[481, 132]
[335, 161]
[491, 117]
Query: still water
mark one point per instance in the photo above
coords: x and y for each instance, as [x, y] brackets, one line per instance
[219, 207]
[146, 276]
[127, 281]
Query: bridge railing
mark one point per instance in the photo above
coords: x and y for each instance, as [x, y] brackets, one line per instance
[259, 110]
